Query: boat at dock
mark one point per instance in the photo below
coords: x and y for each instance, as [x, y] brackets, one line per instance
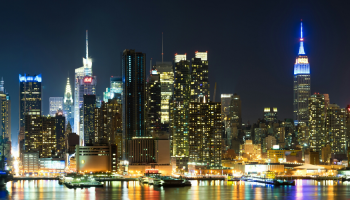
[78, 181]
[276, 182]
[171, 182]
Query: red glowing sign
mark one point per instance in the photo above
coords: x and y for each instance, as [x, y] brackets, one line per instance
[87, 79]
[151, 171]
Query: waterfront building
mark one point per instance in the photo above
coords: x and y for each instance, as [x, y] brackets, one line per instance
[199, 77]
[166, 78]
[134, 88]
[270, 114]
[56, 103]
[68, 104]
[205, 131]
[88, 113]
[317, 132]
[95, 158]
[29, 97]
[302, 84]
[336, 129]
[85, 84]
[108, 123]
[5, 112]
[40, 135]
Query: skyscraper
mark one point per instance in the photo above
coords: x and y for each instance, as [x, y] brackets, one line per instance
[85, 84]
[199, 77]
[116, 88]
[205, 134]
[29, 96]
[236, 111]
[56, 103]
[68, 104]
[317, 136]
[89, 120]
[336, 129]
[180, 106]
[60, 123]
[166, 73]
[301, 84]
[5, 112]
[134, 88]
[153, 103]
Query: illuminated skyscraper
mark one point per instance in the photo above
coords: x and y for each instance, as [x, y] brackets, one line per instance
[180, 106]
[85, 84]
[153, 103]
[5, 112]
[336, 129]
[317, 133]
[199, 77]
[166, 73]
[29, 97]
[301, 84]
[56, 103]
[134, 89]
[68, 104]
[115, 90]
[236, 111]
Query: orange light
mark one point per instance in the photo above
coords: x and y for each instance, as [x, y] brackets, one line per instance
[301, 39]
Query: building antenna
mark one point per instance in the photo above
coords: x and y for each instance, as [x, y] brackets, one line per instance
[162, 47]
[87, 45]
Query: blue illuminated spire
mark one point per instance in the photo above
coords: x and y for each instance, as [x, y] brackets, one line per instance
[301, 48]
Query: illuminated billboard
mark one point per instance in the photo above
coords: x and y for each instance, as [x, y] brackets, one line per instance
[87, 79]
[26, 78]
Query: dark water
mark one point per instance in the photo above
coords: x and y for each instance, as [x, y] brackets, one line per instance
[203, 190]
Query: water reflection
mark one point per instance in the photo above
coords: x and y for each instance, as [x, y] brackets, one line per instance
[304, 189]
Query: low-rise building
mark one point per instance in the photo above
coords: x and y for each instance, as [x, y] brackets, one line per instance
[280, 155]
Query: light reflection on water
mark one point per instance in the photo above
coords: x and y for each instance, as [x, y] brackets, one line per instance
[200, 190]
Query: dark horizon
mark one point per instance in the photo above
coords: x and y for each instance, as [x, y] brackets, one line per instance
[251, 46]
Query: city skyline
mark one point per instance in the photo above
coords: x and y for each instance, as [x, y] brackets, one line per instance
[236, 79]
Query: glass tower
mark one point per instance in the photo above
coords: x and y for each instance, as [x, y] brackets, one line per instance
[134, 89]
[56, 103]
[199, 77]
[68, 104]
[301, 84]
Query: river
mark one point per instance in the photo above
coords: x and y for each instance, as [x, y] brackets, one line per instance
[203, 190]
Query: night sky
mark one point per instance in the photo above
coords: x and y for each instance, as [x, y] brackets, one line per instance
[252, 45]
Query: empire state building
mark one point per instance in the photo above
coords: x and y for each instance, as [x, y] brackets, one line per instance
[301, 84]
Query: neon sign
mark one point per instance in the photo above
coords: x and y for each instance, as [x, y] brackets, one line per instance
[87, 79]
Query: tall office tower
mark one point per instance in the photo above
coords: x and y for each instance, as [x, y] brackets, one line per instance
[180, 106]
[116, 88]
[5, 112]
[56, 103]
[205, 134]
[60, 123]
[29, 97]
[302, 84]
[85, 84]
[199, 77]
[166, 73]
[336, 129]
[108, 122]
[40, 135]
[88, 112]
[153, 103]
[134, 86]
[326, 103]
[236, 111]
[68, 104]
[317, 134]
[270, 114]
[225, 117]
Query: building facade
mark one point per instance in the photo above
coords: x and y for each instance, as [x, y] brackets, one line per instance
[88, 120]
[336, 129]
[68, 104]
[5, 112]
[270, 114]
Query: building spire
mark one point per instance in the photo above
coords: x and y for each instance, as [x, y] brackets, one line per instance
[301, 48]
[87, 45]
